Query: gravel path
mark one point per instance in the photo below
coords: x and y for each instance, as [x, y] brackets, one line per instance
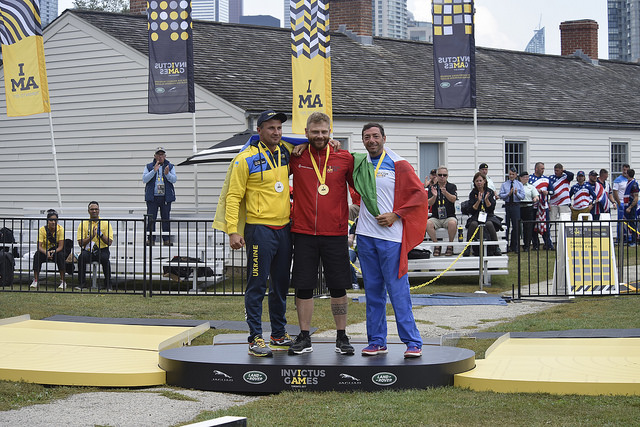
[148, 407]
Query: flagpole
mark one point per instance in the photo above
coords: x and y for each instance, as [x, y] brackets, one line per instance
[195, 167]
[55, 161]
[475, 137]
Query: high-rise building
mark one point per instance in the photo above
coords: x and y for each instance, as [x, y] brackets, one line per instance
[419, 30]
[235, 11]
[624, 30]
[390, 18]
[48, 11]
[536, 44]
[210, 10]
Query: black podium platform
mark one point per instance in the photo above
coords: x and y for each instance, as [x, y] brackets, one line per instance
[229, 368]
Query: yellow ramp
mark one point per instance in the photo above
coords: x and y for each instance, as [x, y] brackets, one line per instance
[87, 354]
[590, 366]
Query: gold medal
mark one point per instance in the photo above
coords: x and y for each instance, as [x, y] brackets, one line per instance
[323, 189]
[280, 187]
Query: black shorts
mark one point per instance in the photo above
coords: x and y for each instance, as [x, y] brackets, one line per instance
[309, 250]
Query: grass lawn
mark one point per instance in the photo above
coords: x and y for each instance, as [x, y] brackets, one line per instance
[441, 406]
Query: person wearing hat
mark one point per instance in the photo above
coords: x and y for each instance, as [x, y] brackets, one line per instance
[512, 192]
[582, 197]
[254, 210]
[484, 169]
[527, 211]
[159, 177]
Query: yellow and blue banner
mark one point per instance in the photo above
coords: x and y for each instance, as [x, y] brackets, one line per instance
[171, 84]
[25, 72]
[454, 48]
[310, 60]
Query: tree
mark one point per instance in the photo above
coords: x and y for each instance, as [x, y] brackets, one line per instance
[118, 6]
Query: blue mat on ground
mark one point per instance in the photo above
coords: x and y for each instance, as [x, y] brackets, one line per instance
[449, 299]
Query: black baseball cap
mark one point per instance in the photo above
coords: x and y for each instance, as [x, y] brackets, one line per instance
[270, 114]
[483, 166]
[594, 173]
[525, 173]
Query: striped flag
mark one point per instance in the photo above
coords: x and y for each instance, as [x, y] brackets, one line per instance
[171, 82]
[541, 183]
[25, 73]
[454, 49]
[310, 60]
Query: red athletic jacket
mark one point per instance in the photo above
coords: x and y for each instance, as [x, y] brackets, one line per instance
[313, 213]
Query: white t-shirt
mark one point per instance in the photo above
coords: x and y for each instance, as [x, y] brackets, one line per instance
[385, 184]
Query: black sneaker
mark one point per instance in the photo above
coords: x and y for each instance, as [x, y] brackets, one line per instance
[343, 346]
[301, 345]
[259, 348]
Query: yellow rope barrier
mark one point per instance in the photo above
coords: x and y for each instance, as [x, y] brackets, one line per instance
[444, 271]
[452, 263]
[634, 230]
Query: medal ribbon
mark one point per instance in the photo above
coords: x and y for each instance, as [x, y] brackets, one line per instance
[375, 174]
[321, 177]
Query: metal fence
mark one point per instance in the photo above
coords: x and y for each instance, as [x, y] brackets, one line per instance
[589, 258]
[191, 259]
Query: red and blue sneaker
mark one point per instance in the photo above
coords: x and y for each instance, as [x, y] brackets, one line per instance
[373, 349]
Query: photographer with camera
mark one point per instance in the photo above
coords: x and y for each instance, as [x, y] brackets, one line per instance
[50, 248]
[94, 238]
[159, 177]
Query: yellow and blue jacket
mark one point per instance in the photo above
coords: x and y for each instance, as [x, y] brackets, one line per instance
[249, 192]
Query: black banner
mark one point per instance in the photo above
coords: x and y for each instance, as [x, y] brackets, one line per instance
[454, 54]
[171, 88]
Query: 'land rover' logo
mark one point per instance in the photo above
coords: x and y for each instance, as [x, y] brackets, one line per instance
[159, 90]
[254, 377]
[445, 85]
[384, 378]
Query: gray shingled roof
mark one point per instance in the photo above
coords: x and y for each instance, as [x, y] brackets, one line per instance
[250, 67]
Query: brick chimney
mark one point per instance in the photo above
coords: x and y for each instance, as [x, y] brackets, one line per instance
[354, 14]
[582, 34]
[138, 7]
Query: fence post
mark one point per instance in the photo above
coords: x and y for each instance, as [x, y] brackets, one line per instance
[481, 255]
[146, 275]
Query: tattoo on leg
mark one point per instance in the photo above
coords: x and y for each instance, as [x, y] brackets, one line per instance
[339, 309]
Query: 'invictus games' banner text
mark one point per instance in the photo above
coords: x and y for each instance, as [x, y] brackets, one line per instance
[171, 88]
[310, 60]
[454, 48]
[25, 73]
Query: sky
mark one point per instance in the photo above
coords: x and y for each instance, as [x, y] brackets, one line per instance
[502, 24]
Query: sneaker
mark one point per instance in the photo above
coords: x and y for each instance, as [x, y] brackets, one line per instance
[280, 344]
[34, 284]
[168, 243]
[63, 285]
[355, 286]
[257, 347]
[373, 349]
[343, 346]
[149, 243]
[301, 345]
[412, 351]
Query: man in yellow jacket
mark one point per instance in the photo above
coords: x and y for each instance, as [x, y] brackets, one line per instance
[258, 192]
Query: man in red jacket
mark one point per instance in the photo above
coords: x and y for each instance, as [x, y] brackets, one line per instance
[320, 225]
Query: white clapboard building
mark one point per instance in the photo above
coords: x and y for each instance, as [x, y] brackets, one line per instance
[531, 108]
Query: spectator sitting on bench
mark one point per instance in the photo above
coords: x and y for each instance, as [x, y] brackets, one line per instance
[442, 196]
[482, 199]
[97, 235]
[50, 248]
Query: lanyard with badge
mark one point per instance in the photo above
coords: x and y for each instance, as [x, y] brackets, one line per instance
[323, 189]
[442, 209]
[159, 182]
[279, 186]
[482, 215]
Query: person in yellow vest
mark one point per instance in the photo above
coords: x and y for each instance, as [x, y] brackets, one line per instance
[50, 247]
[95, 235]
